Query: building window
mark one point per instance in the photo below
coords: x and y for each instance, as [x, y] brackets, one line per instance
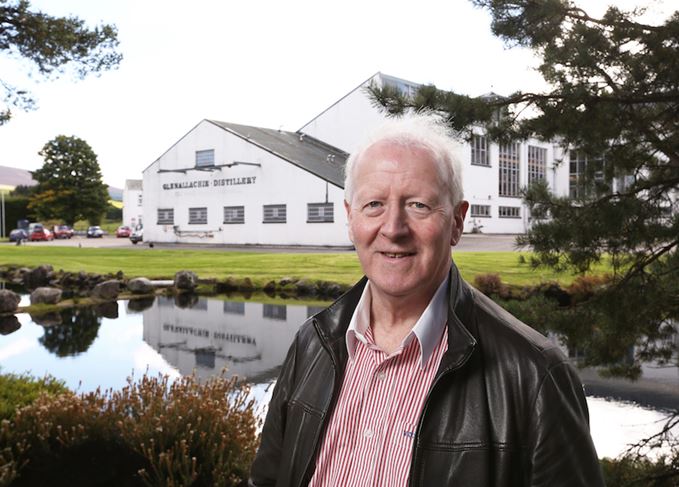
[198, 216]
[537, 163]
[480, 153]
[234, 307]
[584, 174]
[320, 213]
[508, 159]
[482, 211]
[510, 212]
[165, 216]
[275, 214]
[234, 214]
[275, 312]
[205, 158]
[139, 199]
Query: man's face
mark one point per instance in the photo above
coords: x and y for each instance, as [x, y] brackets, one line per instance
[401, 221]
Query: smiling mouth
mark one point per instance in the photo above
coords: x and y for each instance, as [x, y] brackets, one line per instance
[397, 255]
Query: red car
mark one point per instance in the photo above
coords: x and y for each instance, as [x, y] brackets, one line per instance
[62, 231]
[123, 231]
[40, 233]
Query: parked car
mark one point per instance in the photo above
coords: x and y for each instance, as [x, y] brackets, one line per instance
[95, 232]
[40, 233]
[123, 231]
[62, 231]
[137, 236]
[18, 234]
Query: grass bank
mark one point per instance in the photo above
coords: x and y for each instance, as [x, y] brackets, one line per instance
[341, 267]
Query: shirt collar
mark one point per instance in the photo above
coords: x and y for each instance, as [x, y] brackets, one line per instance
[427, 329]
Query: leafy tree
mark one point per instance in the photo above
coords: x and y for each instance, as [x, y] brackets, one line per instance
[613, 96]
[53, 45]
[69, 182]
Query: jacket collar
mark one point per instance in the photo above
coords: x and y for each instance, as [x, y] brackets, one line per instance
[332, 323]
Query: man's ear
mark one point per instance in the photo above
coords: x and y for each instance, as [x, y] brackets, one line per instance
[347, 208]
[459, 214]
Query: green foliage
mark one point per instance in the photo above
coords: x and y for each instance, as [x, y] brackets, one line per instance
[52, 45]
[17, 391]
[16, 208]
[70, 187]
[148, 433]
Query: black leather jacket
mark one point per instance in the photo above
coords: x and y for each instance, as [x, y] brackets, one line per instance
[505, 408]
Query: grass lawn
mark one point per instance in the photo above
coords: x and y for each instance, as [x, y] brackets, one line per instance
[260, 267]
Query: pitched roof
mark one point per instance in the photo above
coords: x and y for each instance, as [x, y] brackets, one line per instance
[312, 155]
[13, 177]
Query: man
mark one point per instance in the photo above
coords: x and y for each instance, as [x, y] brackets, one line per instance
[413, 377]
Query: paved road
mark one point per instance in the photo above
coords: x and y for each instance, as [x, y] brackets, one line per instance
[468, 243]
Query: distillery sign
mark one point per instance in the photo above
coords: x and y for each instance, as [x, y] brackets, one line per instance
[206, 183]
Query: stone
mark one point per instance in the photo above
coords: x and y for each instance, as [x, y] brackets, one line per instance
[227, 285]
[40, 276]
[269, 287]
[9, 301]
[140, 285]
[46, 295]
[9, 324]
[305, 287]
[185, 280]
[286, 280]
[246, 285]
[107, 290]
[139, 305]
[48, 319]
[107, 310]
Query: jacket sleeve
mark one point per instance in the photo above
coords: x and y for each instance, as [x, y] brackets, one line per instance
[264, 470]
[561, 450]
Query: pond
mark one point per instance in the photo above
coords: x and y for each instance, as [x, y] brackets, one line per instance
[101, 347]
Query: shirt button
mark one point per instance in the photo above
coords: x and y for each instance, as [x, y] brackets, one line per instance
[368, 433]
[381, 375]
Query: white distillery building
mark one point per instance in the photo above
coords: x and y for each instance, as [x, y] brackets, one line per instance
[226, 183]
[133, 214]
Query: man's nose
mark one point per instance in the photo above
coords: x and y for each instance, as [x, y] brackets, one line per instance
[395, 223]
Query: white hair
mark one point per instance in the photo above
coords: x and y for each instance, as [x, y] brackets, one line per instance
[423, 130]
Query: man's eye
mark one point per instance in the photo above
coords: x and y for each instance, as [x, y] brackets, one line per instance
[373, 204]
[418, 205]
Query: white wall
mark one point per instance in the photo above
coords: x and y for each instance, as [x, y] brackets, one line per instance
[132, 207]
[276, 181]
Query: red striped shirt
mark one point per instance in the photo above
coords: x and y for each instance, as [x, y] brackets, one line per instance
[370, 436]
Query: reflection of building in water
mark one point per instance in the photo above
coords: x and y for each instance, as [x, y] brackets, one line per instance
[250, 339]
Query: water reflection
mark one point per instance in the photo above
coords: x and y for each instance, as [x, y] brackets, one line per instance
[250, 339]
[102, 346]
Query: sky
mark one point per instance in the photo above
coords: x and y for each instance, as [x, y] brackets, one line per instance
[274, 64]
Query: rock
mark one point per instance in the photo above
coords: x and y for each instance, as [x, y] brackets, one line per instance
[139, 305]
[185, 300]
[185, 280]
[107, 290]
[46, 295]
[227, 285]
[9, 324]
[286, 280]
[120, 275]
[305, 287]
[9, 301]
[40, 276]
[269, 287]
[246, 285]
[140, 285]
[107, 310]
[48, 319]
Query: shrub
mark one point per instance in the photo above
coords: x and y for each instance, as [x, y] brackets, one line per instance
[17, 391]
[489, 284]
[148, 433]
[584, 287]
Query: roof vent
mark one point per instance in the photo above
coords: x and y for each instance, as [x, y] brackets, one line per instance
[301, 137]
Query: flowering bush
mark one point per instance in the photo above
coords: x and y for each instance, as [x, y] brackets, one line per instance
[151, 432]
